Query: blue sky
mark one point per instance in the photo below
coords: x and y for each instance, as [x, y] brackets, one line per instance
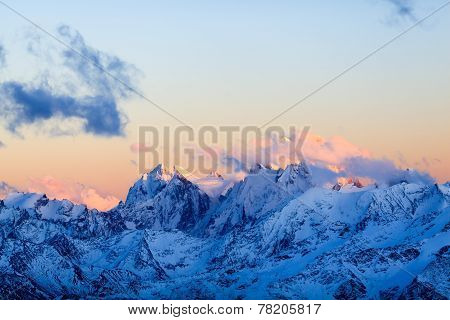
[198, 55]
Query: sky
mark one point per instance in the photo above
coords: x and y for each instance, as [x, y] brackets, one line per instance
[215, 63]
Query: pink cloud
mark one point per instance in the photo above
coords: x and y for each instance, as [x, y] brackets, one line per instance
[137, 147]
[75, 192]
[328, 158]
[332, 151]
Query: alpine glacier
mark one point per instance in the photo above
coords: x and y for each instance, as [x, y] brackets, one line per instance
[273, 235]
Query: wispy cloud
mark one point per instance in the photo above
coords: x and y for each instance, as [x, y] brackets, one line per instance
[88, 73]
[93, 99]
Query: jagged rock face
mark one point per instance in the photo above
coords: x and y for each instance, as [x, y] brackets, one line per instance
[296, 178]
[308, 243]
[348, 184]
[35, 216]
[434, 281]
[164, 201]
[149, 185]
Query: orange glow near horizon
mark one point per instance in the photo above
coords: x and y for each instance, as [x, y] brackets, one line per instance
[106, 170]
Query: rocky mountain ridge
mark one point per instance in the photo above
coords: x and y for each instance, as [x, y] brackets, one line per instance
[273, 235]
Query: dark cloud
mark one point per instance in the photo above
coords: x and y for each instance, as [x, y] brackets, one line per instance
[92, 98]
[403, 8]
[30, 105]
[2, 145]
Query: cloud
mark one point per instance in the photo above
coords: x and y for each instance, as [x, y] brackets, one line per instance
[89, 73]
[383, 171]
[28, 105]
[2, 145]
[6, 189]
[335, 157]
[232, 162]
[329, 159]
[84, 94]
[75, 192]
[333, 150]
[2, 56]
[403, 8]
[137, 147]
[276, 151]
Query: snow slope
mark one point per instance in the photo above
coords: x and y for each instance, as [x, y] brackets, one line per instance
[271, 236]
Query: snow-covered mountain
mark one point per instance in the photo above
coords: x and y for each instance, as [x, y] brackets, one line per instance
[264, 190]
[273, 235]
[164, 200]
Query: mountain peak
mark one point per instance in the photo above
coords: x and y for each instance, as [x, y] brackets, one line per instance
[215, 174]
[149, 185]
[296, 177]
[159, 172]
[171, 236]
[347, 183]
[259, 167]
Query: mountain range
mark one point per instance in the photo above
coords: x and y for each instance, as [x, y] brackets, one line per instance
[273, 235]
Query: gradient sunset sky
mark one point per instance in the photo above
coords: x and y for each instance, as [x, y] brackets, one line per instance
[236, 63]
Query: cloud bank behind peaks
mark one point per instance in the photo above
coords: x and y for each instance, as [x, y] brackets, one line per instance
[86, 94]
[6, 189]
[330, 159]
[75, 192]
